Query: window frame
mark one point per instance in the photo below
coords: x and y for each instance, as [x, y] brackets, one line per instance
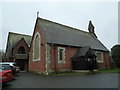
[37, 34]
[99, 61]
[61, 61]
[21, 48]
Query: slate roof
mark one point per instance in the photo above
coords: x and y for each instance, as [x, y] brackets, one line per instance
[81, 52]
[84, 51]
[14, 38]
[56, 33]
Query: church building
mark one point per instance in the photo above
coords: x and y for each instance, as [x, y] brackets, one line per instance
[56, 47]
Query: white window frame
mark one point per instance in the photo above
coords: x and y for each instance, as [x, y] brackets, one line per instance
[61, 61]
[38, 45]
[100, 61]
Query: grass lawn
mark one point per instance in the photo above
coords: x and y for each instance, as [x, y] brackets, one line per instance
[116, 70]
[83, 73]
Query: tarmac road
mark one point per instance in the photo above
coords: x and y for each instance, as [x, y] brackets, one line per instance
[33, 80]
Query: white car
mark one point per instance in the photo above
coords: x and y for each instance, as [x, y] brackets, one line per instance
[15, 68]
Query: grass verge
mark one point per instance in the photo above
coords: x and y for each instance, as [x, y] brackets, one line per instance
[116, 70]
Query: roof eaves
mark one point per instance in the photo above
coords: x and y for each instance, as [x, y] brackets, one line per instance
[19, 34]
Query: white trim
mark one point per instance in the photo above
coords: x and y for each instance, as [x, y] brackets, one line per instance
[100, 61]
[34, 46]
[61, 61]
[47, 58]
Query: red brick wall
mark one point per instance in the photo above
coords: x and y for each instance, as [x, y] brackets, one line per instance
[107, 61]
[69, 51]
[38, 66]
[54, 65]
[21, 43]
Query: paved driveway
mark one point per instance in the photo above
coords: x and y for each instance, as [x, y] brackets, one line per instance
[32, 80]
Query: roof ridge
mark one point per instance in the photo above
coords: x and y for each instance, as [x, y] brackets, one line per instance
[19, 34]
[84, 36]
[63, 25]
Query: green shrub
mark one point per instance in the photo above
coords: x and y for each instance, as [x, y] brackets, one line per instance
[115, 52]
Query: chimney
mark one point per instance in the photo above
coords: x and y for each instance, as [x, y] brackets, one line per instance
[37, 14]
[91, 29]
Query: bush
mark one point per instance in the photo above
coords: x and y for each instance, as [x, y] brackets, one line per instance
[115, 52]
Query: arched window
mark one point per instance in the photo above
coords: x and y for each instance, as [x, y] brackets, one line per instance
[21, 50]
[36, 47]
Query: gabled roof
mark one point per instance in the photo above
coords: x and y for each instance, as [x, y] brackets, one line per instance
[56, 33]
[22, 39]
[14, 38]
[84, 52]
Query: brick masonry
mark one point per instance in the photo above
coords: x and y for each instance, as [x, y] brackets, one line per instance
[69, 52]
[40, 66]
[19, 44]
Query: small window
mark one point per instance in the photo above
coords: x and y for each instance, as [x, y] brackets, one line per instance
[99, 56]
[61, 54]
[21, 50]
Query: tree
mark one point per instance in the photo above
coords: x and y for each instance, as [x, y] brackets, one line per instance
[115, 52]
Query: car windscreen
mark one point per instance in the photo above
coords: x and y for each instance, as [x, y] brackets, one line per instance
[5, 67]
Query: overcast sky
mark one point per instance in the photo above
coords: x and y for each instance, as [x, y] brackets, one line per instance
[20, 18]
